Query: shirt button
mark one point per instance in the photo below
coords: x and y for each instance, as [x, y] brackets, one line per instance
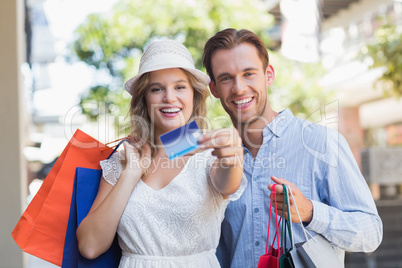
[256, 210]
[254, 178]
[257, 243]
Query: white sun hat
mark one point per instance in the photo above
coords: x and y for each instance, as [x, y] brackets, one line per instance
[166, 54]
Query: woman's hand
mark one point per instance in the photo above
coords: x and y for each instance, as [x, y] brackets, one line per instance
[137, 163]
[227, 170]
[227, 146]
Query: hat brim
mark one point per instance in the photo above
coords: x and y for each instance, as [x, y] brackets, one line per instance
[199, 75]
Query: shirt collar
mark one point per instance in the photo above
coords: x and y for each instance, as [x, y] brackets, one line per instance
[279, 124]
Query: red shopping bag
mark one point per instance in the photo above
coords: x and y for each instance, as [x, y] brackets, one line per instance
[42, 228]
[271, 257]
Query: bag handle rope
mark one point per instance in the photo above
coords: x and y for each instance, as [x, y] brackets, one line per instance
[298, 215]
[276, 220]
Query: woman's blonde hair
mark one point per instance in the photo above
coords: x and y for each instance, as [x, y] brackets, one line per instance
[140, 121]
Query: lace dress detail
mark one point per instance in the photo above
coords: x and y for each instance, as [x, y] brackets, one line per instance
[111, 168]
[176, 226]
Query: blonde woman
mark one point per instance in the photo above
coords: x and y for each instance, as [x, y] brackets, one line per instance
[166, 213]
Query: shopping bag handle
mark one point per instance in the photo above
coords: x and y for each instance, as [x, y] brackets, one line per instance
[120, 143]
[287, 223]
[276, 221]
[297, 212]
[290, 216]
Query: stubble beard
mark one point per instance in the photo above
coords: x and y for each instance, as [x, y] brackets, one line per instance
[246, 123]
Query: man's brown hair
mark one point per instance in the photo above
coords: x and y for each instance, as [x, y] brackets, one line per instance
[230, 38]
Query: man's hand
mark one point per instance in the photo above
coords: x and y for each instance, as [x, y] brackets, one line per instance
[304, 205]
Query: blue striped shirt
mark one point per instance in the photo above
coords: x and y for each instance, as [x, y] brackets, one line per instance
[319, 162]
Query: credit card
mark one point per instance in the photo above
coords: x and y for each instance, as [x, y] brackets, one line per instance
[182, 140]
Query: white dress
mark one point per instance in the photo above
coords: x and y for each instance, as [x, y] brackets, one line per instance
[176, 226]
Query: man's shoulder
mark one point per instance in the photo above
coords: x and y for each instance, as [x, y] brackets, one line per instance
[320, 141]
[314, 129]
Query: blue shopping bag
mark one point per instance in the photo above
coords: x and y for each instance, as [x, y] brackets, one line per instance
[86, 186]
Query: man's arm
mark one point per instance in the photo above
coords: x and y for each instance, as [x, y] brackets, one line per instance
[347, 216]
[345, 213]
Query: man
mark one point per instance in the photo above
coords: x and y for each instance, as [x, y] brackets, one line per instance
[331, 194]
